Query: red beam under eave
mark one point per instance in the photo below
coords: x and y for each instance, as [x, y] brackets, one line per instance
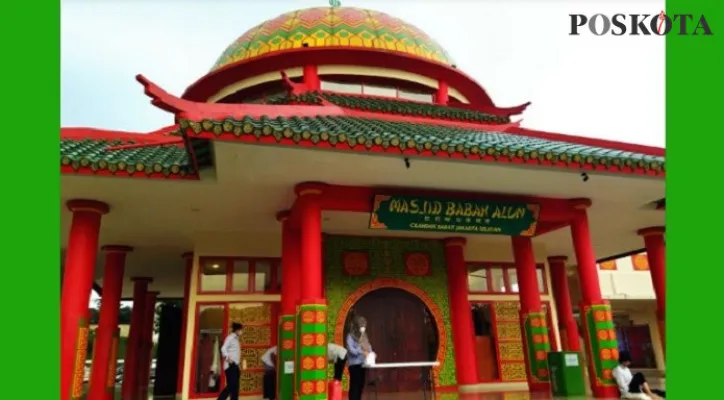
[359, 199]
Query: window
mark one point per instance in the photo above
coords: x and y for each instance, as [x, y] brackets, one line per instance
[262, 276]
[379, 91]
[213, 276]
[374, 90]
[240, 278]
[477, 278]
[513, 280]
[341, 87]
[421, 97]
[239, 275]
[499, 278]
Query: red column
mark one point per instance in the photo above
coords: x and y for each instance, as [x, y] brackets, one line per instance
[564, 308]
[529, 303]
[310, 220]
[601, 386]
[79, 268]
[441, 97]
[527, 277]
[130, 362]
[460, 319]
[146, 346]
[291, 271]
[188, 266]
[585, 257]
[656, 253]
[311, 77]
[108, 322]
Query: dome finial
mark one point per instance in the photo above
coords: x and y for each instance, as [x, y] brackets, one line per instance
[335, 3]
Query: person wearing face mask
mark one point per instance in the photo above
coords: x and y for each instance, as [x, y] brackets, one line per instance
[358, 348]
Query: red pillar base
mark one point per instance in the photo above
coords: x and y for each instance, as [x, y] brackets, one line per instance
[606, 392]
[539, 387]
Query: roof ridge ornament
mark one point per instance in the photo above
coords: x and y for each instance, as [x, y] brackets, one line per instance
[335, 3]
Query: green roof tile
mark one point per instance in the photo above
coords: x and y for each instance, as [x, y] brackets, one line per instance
[167, 160]
[403, 135]
[93, 154]
[391, 106]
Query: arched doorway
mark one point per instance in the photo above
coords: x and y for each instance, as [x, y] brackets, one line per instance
[401, 329]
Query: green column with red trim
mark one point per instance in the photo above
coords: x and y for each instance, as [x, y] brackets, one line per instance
[601, 348]
[285, 354]
[310, 371]
[537, 346]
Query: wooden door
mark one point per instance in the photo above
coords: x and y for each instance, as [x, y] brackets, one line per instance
[396, 327]
[639, 346]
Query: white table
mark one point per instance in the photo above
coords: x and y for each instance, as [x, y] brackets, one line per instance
[426, 374]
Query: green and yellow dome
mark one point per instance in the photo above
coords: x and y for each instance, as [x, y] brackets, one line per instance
[333, 27]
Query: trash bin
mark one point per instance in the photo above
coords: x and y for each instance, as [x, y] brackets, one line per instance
[566, 373]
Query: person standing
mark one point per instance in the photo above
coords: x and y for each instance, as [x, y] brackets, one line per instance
[358, 348]
[269, 385]
[231, 351]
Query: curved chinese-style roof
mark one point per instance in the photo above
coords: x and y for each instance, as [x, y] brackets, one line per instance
[333, 27]
[340, 122]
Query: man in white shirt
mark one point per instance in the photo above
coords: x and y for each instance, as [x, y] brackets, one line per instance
[632, 386]
[269, 384]
[231, 351]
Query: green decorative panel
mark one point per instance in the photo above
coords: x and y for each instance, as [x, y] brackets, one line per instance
[601, 343]
[311, 352]
[537, 346]
[375, 263]
[285, 380]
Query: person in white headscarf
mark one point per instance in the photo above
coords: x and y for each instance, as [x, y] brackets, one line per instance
[358, 349]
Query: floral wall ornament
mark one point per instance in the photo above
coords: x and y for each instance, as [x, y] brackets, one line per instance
[417, 264]
[640, 262]
[356, 263]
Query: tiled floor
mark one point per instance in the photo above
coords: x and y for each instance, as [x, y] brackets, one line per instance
[655, 381]
[439, 396]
